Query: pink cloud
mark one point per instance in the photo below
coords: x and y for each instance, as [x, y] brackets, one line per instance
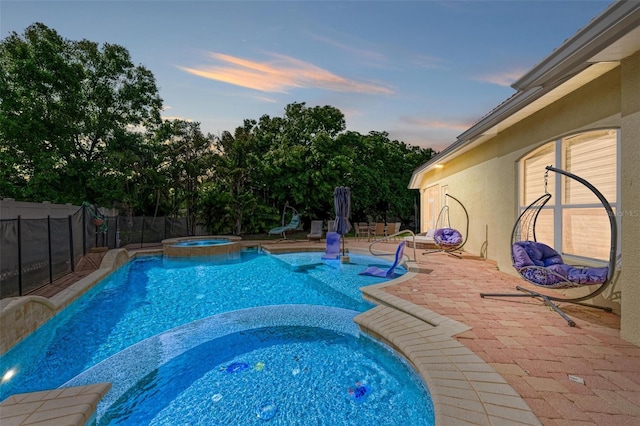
[506, 78]
[429, 123]
[279, 75]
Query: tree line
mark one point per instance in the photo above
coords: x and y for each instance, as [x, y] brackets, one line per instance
[81, 122]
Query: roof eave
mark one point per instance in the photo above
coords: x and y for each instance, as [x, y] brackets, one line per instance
[570, 59]
[614, 22]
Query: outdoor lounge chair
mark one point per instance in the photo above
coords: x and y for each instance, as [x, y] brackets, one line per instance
[423, 240]
[292, 226]
[315, 234]
[333, 246]
[386, 273]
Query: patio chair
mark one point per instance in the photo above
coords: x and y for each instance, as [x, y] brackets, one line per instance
[386, 273]
[333, 246]
[449, 239]
[379, 230]
[315, 234]
[392, 228]
[362, 230]
[542, 266]
[292, 226]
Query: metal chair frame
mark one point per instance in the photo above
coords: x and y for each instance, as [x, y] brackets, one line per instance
[443, 221]
[524, 230]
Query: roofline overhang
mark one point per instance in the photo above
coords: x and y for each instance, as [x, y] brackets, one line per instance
[564, 63]
[614, 22]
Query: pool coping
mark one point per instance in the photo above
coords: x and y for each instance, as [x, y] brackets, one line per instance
[465, 389]
[63, 406]
[170, 247]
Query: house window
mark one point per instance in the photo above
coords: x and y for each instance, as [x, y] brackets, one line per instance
[573, 221]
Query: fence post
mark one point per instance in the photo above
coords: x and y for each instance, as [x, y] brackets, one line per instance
[117, 241]
[142, 233]
[49, 245]
[73, 258]
[19, 259]
[84, 230]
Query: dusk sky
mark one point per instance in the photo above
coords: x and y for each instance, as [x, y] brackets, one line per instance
[423, 71]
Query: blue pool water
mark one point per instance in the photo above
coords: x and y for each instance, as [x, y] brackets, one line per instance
[204, 242]
[133, 309]
[302, 364]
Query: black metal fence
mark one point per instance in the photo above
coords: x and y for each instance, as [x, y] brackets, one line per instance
[35, 252]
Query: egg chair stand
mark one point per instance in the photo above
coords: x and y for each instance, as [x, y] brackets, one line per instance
[449, 240]
[543, 267]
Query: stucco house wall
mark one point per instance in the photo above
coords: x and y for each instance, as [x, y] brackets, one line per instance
[485, 178]
[630, 190]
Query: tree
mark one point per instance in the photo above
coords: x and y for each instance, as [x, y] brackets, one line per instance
[303, 163]
[380, 175]
[80, 122]
[235, 170]
[65, 105]
[187, 160]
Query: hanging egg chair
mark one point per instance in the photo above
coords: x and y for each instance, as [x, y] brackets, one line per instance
[542, 266]
[448, 239]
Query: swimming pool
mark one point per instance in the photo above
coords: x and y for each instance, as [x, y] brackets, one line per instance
[205, 242]
[149, 296]
[201, 246]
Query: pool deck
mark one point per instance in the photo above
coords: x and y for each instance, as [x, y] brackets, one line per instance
[495, 361]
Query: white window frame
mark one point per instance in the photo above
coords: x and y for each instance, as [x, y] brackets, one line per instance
[555, 186]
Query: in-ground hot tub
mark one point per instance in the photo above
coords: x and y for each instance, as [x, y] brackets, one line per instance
[201, 246]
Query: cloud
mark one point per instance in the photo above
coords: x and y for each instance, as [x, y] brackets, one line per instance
[363, 53]
[422, 139]
[426, 61]
[428, 123]
[266, 99]
[506, 78]
[171, 118]
[279, 75]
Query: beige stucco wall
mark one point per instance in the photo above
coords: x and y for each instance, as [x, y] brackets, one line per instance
[485, 178]
[630, 207]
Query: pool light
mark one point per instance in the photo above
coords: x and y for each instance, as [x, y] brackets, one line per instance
[8, 375]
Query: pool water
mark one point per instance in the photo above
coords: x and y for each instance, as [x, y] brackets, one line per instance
[298, 364]
[201, 243]
[263, 373]
[149, 296]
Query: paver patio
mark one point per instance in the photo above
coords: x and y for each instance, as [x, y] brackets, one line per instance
[531, 346]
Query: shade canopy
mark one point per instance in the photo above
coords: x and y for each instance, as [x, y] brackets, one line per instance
[342, 204]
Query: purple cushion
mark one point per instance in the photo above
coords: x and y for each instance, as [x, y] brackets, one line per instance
[588, 275]
[529, 253]
[532, 253]
[447, 237]
[520, 256]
